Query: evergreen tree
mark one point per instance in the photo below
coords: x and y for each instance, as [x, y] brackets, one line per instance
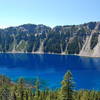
[37, 91]
[26, 95]
[21, 88]
[31, 95]
[67, 87]
[85, 96]
[14, 96]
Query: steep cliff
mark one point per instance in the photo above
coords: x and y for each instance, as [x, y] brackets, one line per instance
[83, 40]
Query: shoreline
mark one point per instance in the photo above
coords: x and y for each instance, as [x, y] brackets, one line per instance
[42, 53]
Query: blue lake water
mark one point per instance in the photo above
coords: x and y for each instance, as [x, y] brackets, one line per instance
[86, 71]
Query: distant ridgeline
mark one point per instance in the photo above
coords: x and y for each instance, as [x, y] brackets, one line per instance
[83, 39]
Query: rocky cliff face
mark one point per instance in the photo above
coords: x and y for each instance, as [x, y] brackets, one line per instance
[91, 46]
[83, 39]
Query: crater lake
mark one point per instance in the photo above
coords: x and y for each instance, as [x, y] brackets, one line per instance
[51, 68]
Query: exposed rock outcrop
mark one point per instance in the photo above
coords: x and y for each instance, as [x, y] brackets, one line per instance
[83, 40]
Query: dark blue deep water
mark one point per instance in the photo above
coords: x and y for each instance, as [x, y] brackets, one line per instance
[51, 68]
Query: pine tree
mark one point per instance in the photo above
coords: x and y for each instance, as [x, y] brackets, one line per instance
[21, 88]
[37, 91]
[31, 95]
[14, 96]
[5, 93]
[85, 96]
[26, 95]
[66, 92]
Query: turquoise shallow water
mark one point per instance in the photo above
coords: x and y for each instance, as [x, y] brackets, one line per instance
[51, 68]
